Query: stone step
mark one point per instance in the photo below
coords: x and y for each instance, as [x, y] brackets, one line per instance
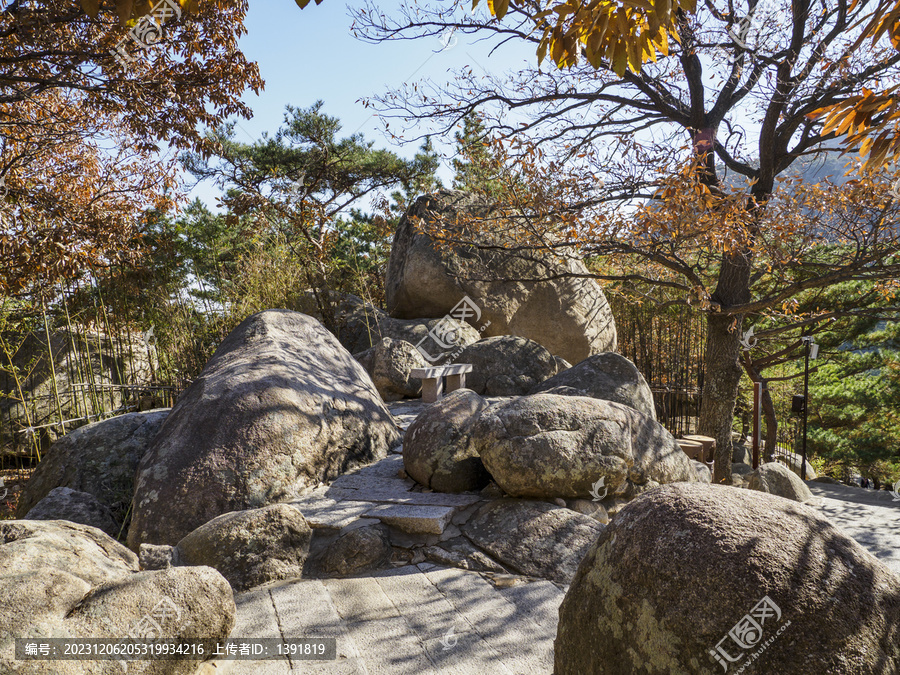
[396, 497]
[413, 518]
[373, 483]
[389, 467]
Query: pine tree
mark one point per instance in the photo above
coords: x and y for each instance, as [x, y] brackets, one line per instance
[477, 165]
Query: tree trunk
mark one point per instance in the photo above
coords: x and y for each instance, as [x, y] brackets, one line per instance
[722, 363]
[720, 389]
[768, 407]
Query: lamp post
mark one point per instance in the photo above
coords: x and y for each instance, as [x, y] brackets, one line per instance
[811, 351]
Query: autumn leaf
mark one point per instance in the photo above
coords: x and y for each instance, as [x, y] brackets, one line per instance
[498, 7]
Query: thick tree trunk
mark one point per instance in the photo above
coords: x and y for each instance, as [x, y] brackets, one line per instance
[722, 364]
[720, 389]
[768, 407]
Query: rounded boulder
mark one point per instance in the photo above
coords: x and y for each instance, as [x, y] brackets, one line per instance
[693, 578]
[436, 448]
[550, 445]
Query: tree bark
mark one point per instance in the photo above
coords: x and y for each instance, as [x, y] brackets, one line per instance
[723, 359]
[720, 390]
[768, 407]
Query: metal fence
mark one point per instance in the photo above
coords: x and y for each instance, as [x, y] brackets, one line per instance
[66, 361]
[668, 348]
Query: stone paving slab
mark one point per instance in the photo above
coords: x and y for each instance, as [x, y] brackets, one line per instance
[399, 622]
[389, 647]
[360, 599]
[871, 518]
[425, 608]
[465, 654]
[370, 483]
[522, 643]
[421, 498]
[338, 517]
[389, 467]
[300, 608]
[539, 601]
[414, 518]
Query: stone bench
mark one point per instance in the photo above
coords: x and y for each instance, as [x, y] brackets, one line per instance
[433, 379]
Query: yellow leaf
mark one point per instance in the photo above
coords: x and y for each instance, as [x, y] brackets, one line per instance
[498, 7]
[542, 50]
[620, 59]
[91, 8]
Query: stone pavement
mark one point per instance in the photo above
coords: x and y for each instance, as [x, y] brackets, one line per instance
[412, 620]
[870, 517]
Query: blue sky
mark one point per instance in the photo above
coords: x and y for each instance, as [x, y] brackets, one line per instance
[310, 54]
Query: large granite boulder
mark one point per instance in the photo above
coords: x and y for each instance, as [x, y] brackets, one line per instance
[190, 603]
[506, 365]
[775, 478]
[360, 326]
[60, 579]
[704, 578]
[436, 448]
[63, 503]
[100, 459]
[390, 364]
[79, 550]
[607, 376]
[279, 407]
[528, 293]
[533, 538]
[549, 445]
[250, 548]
